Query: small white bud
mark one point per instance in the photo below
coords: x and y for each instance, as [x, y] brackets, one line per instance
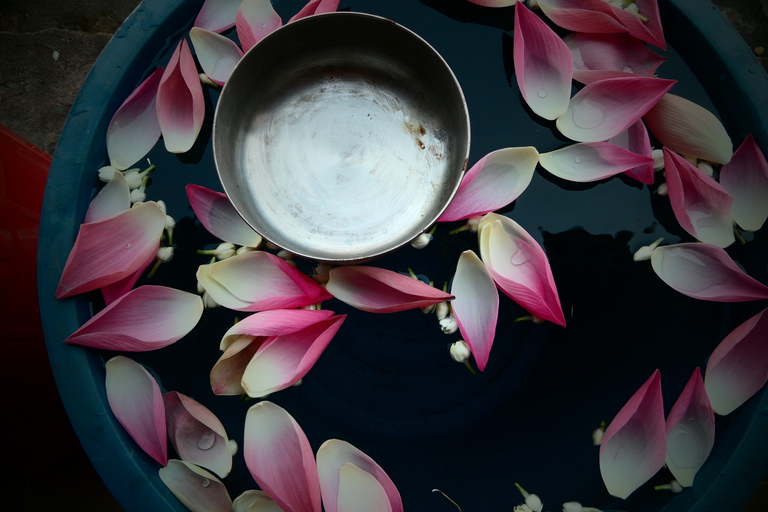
[534, 502]
[165, 254]
[169, 223]
[663, 190]
[706, 168]
[632, 8]
[208, 301]
[321, 272]
[224, 251]
[232, 445]
[522, 508]
[572, 506]
[286, 255]
[106, 173]
[298, 383]
[442, 310]
[138, 196]
[675, 486]
[428, 309]
[133, 178]
[658, 159]
[241, 250]
[162, 206]
[204, 79]
[597, 436]
[421, 241]
[460, 351]
[313, 307]
[644, 253]
[449, 325]
[474, 223]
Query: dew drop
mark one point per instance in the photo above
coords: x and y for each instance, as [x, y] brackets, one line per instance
[541, 93]
[128, 246]
[205, 482]
[628, 69]
[577, 159]
[587, 114]
[263, 25]
[206, 441]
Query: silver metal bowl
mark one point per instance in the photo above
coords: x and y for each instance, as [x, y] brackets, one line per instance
[341, 136]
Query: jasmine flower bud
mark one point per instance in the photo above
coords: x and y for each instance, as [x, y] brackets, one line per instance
[534, 503]
[460, 351]
[673, 486]
[598, 433]
[421, 241]
[134, 178]
[522, 508]
[644, 253]
[208, 301]
[165, 254]
[138, 195]
[224, 251]
[663, 190]
[706, 168]
[449, 325]
[232, 445]
[428, 309]
[658, 159]
[575, 506]
[442, 310]
[241, 250]
[320, 273]
[106, 173]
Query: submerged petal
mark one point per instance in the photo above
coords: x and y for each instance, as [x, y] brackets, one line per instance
[745, 178]
[147, 318]
[214, 210]
[690, 431]
[634, 448]
[591, 161]
[316, 7]
[493, 182]
[600, 56]
[136, 401]
[705, 271]
[217, 15]
[280, 458]
[738, 367]
[196, 488]
[255, 19]
[605, 108]
[377, 290]
[217, 54]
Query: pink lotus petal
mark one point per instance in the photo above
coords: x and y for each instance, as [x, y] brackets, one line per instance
[215, 211]
[689, 129]
[216, 54]
[359, 490]
[281, 361]
[255, 501]
[600, 56]
[111, 249]
[147, 318]
[493, 182]
[227, 373]
[701, 205]
[605, 108]
[113, 198]
[591, 161]
[134, 128]
[136, 401]
[476, 306]
[280, 459]
[634, 445]
[745, 178]
[255, 19]
[196, 434]
[196, 488]
[114, 291]
[257, 281]
[334, 455]
[636, 139]
[180, 101]
[690, 431]
[738, 367]
[217, 15]
[519, 267]
[377, 290]
[706, 272]
[543, 65]
[316, 7]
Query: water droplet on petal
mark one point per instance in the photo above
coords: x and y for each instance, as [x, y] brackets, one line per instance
[206, 441]
[577, 159]
[263, 25]
[628, 69]
[587, 114]
[541, 93]
[205, 482]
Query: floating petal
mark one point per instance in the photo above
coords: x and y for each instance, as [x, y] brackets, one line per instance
[111, 249]
[745, 178]
[255, 19]
[519, 267]
[690, 431]
[180, 101]
[634, 447]
[196, 488]
[591, 161]
[316, 7]
[196, 434]
[255, 501]
[701, 205]
[600, 56]
[689, 129]
[706, 272]
[605, 108]
[147, 318]
[738, 367]
[113, 198]
[257, 281]
[217, 15]
[636, 139]
[114, 291]
[217, 54]
[476, 306]
[543, 65]
[136, 401]
[377, 290]
[493, 182]
[214, 210]
[280, 459]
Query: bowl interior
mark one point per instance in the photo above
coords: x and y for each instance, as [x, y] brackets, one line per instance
[341, 136]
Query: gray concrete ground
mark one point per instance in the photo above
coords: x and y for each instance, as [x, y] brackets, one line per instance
[46, 50]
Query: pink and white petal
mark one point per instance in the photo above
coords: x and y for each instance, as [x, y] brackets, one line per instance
[378, 290]
[254, 20]
[218, 292]
[136, 401]
[636, 139]
[315, 7]
[738, 367]
[217, 15]
[216, 213]
[605, 108]
[649, 30]
[216, 54]
[114, 291]
[519, 267]
[493, 182]
[196, 488]
[634, 445]
[690, 431]
[689, 129]
[359, 490]
[113, 198]
[280, 458]
[591, 161]
[111, 249]
[332, 456]
[543, 65]
[147, 318]
[227, 374]
[276, 322]
[493, 3]
[476, 306]
[196, 434]
[745, 178]
[706, 272]
[701, 205]
[600, 56]
[134, 128]
[282, 361]
[255, 501]
[180, 101]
